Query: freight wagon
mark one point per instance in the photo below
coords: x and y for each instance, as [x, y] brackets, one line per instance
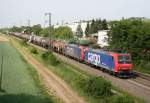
[58, 46]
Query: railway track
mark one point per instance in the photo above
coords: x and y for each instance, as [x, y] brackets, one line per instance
[142, 75]
[142, 78]
[139, 86]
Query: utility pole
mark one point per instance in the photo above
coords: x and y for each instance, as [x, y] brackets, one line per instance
[62, 22]
[45, 23]
[49, 46]
[29, 29]
[1, 74]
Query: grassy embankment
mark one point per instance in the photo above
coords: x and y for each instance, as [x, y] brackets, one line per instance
[93, 89]
[144, 68]
[21, 83]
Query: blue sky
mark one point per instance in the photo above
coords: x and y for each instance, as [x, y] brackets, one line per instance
[17, 12]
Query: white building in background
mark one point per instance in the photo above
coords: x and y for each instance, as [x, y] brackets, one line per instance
[101, 37]
[74, 26]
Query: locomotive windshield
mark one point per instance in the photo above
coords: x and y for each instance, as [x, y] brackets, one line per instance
[124, 59]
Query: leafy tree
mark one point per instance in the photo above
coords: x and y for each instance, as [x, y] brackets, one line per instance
[104, 25]
[44, 32]
[15, 29]
[87, 29]
[131, 35]
[96, 25]
[79, 30]
[28, 30]
[4, 30]
[37, 29]
[93, 27]
[99, 24]
[63, 32]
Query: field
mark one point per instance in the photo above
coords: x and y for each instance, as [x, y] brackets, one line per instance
[20, 81]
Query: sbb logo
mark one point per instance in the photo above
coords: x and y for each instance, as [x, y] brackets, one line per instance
[94, 58]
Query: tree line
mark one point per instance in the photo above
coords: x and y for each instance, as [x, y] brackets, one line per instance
[62, 32]
[95, 25]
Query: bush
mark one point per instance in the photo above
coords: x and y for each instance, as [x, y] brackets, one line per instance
[49, 57]
[96, 87]
[34, 51]
[45, 56]
[80, 82]
[142, 63]
[147, 66]
[123, 99]
[23, 43]
[143, 66]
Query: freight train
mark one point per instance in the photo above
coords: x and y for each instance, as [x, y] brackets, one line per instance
[115, 63]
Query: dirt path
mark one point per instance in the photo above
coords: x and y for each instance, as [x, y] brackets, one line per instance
[51, 81]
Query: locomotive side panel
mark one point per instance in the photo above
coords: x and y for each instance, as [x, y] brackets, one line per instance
[99, 59]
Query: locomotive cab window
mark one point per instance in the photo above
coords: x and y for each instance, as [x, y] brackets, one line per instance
[124, 59]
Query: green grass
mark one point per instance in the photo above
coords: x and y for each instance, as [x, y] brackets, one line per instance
[20, 82]
[144, 68]
[140, 69]
[73, 76]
